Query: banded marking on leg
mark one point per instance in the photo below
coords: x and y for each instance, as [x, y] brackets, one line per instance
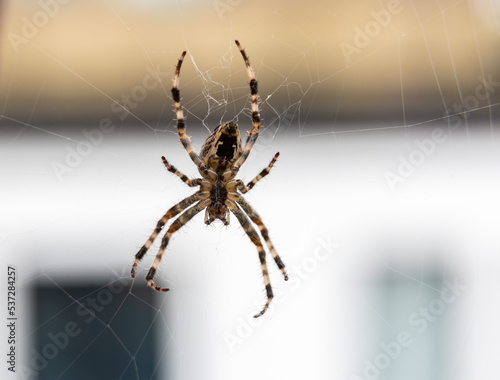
[174, 227]
[185, 140]
[255, 217]
[254, 237]
[173, 211]
[184, 178]
[262, 174]
[250, 142]
[267, 283]
[254, 132]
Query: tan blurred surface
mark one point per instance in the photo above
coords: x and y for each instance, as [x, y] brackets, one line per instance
[83, 56]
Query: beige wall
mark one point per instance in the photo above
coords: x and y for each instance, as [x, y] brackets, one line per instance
[85, 54]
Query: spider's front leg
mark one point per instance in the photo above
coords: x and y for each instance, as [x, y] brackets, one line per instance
[173, 211]
[174, 227]
[254, 237]
[255, 217]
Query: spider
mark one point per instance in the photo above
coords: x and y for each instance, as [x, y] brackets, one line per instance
[219, 192]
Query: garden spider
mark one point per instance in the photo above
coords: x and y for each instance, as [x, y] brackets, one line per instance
[220, 160]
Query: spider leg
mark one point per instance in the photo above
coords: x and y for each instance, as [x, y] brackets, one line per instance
[183, 177]
[185, 140]
[254, 132]
[250, 211]
[254, 237]
[175, 226]
[173, 211]
[241, 186]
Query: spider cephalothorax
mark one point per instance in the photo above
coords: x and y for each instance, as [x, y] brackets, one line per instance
[217, 209]
[219, 191]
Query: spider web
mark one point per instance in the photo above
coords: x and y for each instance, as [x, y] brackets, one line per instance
[385, 192]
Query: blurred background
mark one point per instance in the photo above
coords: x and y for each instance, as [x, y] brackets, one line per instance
[383, 203]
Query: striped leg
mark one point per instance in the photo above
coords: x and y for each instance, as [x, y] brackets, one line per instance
[254, 237]
[241, 186]
[254, 133]
[175, 226]
[263, 230]
[185, 140]
[173, 211]
[183, 177]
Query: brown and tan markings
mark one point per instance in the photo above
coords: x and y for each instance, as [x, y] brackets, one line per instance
[220, 193]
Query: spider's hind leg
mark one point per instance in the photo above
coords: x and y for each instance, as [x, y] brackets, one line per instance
[181, 127]
[265, 233]
[254, 132]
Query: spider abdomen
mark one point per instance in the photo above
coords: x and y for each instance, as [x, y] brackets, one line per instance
[223, 145]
